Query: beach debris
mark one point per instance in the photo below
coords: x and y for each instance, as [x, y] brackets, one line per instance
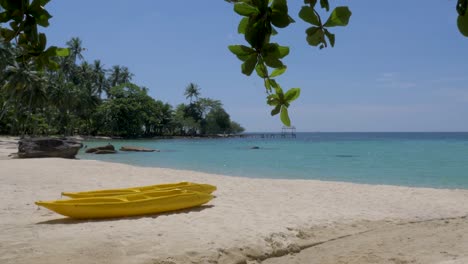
[95, 149]
[137, 149]
[48, 148]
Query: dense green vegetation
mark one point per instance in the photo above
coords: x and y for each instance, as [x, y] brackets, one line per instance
[45, 90]
[85, 98]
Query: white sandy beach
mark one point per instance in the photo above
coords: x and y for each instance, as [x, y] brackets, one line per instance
[249, 221]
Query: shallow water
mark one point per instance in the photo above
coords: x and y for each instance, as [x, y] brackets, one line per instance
[437, 160]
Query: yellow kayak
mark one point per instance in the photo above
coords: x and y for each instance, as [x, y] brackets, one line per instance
[127, 205]
[190, 186]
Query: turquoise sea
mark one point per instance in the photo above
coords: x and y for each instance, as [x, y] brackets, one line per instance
[437, 160]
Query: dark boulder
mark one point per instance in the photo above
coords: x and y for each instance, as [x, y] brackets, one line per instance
[106, 147]
[48, 148]
[105, 151]
[138, 149]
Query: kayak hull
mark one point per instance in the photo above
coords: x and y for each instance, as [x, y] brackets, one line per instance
[189, 186]
[127, 205]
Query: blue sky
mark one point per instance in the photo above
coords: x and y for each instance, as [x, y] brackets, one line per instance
[398, 66]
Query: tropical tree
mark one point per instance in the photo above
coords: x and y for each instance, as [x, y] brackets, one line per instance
[127, 113]
[192, 91]
[261, 20]
[6, 56]
[218, 122]
[24, 88]
[186, 121]
[236, 128]
[205, 105]
[75, 46]
[119, 75]
[43, 90]
[99, 78]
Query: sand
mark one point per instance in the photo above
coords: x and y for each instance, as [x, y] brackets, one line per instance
[8, 145]
[249, 221]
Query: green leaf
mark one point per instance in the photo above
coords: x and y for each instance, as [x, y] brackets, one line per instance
[462, 6]
[243, 25]
[4, 17]
[314, 36]
[273, 31]
[308, 15]
[280, 20]
[273, 100]
[241, 50]
[292, 94]
[50, 52]
[267, 85]
[283, 51]
[39, 13]
[244, 9]
[331, 37]
[276, 110]
[62, 52]
[262, 5]
[285, 116]
[10, 4]
[280, 6]
[7, 34]
[255, 33]
[339, 17]
[249, 65]
[279, 14]
[275, 50]
[280, 94]
[312, 3]
[272, 83]
[42, 41]
[325, 4]
[278, 72]
[462, 23]
[272, 61]
[262, 71]
[22, 40]
[44, 2]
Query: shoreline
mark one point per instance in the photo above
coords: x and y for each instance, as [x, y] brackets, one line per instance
[10, 143]
[249, 221]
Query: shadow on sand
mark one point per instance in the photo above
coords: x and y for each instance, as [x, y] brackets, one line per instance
[71, 221]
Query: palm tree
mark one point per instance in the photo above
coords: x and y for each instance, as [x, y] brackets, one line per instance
[205, 105]
[114, 75]
[6, 56]
[75, 46]
[25, 89]
[119, 75]
[126, 75]
[192, 91]
[100, 78]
